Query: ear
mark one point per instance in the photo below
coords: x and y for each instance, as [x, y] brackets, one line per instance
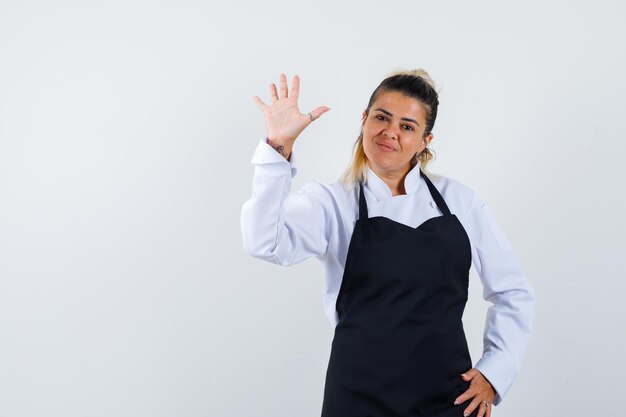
[363, 117]
[428, 139]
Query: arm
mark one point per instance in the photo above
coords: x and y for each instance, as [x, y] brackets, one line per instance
[277, 226]
[509, 318]
[280, 227]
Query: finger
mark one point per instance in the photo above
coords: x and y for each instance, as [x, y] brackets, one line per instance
[469, 375]
[259, 102]
[471, 407]
[482, 409]
[319, 111]
[273, 92]
[295, 87]
[283, 85]
[468, 394]
[486, 409]
[459, 400]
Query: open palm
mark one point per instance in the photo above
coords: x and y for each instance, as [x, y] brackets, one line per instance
[283, 119]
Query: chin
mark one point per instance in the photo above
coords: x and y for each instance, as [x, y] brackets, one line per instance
[385, 164]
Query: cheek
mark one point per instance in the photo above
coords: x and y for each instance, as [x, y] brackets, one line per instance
[368, 134]
[373, 126]
[367, 145]
[411, 145]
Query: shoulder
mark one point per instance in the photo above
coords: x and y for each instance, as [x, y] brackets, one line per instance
[339, 200]
[334, 196]
[336, 191]
[458, 195]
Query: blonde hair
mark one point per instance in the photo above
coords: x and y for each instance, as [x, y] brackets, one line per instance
[414, 83]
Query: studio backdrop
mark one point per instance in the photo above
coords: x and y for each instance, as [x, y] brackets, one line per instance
[127, 130]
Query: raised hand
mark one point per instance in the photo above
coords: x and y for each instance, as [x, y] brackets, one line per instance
[283, 120]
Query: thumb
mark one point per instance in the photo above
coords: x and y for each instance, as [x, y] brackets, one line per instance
[319, 111]
[469, 374]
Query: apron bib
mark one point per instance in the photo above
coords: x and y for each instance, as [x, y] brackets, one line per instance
[399, 346]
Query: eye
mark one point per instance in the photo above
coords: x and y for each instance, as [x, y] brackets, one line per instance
[381, 117]
[409, 127]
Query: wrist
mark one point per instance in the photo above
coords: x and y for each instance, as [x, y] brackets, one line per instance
[284, 149]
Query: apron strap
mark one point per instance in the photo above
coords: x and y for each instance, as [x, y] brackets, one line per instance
[443, 207]
[362, 204]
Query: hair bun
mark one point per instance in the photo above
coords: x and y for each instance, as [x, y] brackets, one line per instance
[418, 72]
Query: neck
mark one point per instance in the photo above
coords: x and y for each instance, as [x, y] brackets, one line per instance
[393, 179]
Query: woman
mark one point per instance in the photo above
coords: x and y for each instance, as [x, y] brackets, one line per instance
[397, 246]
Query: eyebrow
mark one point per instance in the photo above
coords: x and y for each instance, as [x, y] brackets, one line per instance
[404, 118]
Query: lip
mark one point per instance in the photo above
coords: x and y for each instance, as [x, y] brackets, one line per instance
[385, 148]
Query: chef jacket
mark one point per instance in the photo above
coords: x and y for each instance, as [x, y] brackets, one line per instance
[317, 221]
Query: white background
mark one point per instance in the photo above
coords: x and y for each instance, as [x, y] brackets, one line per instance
[126, 132]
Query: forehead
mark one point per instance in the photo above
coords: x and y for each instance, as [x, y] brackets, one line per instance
[400, 105]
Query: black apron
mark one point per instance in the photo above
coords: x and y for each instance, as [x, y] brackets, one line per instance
[399, 346]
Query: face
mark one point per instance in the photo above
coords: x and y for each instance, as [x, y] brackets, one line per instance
[393, 132]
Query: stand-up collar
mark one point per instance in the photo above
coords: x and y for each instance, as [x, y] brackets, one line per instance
[380, 189]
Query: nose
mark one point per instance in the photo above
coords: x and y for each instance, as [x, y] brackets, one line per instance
[391, 132]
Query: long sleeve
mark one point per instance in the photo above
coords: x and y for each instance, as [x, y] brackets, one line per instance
[509, 318]
[282, 227]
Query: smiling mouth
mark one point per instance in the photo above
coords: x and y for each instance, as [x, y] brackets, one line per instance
[385, 147]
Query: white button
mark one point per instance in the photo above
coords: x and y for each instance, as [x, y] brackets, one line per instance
[433, 204]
